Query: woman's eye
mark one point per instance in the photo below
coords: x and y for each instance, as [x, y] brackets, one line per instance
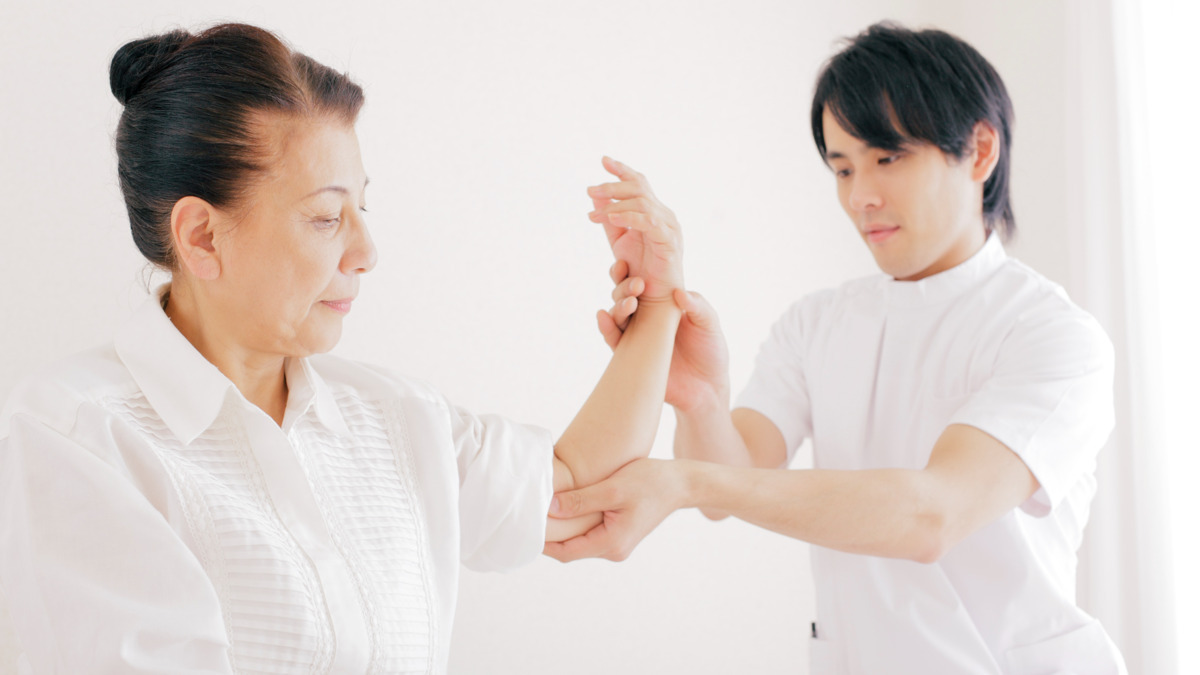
[889, 159]
[842, 173]
[327, 223]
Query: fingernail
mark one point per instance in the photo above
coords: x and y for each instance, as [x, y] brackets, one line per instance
[595, 191]
[615, 217]
[554, 505]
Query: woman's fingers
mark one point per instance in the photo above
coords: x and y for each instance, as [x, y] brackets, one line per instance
[620, 170]
[619, 190]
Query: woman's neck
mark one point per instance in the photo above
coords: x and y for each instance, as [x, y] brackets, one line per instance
[259, 377]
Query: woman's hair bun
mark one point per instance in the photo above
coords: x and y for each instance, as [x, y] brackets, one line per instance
[136, 62]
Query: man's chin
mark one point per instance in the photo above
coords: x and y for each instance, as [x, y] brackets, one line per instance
[896, 269]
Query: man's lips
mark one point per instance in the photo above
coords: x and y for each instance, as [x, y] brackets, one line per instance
[879, 233]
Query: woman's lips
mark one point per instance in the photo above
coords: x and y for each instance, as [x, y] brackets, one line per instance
[339, 306]
[878, 235]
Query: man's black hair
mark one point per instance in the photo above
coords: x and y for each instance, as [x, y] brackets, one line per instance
[892, 86]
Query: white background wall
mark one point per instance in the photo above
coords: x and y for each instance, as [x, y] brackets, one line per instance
[484, 123]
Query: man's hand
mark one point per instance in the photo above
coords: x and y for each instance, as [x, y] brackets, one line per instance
[634, 500]
[642, 232]
[699, 376]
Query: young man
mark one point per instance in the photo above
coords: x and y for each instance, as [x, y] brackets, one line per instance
[955, 403]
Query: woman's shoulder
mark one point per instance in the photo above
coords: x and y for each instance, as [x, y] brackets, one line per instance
[372, 381]
[53, 393]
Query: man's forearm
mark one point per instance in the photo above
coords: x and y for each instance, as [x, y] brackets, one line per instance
[708, 435]
[618, 421]
[881, 512]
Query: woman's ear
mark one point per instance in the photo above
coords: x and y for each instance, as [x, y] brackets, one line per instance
[192, 222]
[986, 154]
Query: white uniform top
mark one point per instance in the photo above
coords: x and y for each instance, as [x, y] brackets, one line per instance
[153, 520]
[873, 372]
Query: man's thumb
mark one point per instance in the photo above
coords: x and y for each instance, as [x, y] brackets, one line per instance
[574, 503]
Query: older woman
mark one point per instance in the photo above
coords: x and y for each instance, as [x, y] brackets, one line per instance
[210, 493]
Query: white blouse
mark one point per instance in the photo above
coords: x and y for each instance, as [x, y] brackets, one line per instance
[153, 520]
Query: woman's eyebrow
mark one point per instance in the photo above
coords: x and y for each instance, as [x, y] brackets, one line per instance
[328, 188]
[336, 188]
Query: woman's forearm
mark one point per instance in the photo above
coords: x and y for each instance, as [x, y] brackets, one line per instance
[618, 421]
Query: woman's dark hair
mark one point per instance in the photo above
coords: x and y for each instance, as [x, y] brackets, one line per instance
[192, 119]
[892, 86]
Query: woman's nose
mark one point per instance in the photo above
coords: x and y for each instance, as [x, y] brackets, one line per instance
[362, 255]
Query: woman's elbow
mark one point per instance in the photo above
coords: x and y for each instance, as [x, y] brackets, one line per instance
[713, 514]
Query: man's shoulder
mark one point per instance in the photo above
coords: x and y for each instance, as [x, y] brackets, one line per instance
[1028, 312]
[1028, 295]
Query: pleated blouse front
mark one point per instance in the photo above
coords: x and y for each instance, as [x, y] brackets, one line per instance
[155, 521]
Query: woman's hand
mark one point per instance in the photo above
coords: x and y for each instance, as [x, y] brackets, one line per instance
[643, 233]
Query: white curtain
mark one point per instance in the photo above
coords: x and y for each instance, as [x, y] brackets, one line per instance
[1125, 569]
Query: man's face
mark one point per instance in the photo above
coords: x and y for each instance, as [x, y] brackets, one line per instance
[919, 211]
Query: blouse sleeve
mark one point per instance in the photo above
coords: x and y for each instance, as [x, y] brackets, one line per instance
[96, 579]
[505, 473]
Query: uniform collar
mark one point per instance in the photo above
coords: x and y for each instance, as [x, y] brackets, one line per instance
[188, 391]
[950, 283]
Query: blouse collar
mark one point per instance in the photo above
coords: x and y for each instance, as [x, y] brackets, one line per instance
[950, 283]
[188, 391]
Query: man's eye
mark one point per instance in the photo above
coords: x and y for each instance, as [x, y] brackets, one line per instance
[889, 159]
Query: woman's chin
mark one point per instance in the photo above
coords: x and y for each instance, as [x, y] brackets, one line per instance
[320, 342]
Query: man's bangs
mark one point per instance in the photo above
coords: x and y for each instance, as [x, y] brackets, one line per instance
[869, 117]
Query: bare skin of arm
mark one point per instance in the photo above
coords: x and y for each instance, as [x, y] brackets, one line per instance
[971, 480]
[729, 464]
[618, 422]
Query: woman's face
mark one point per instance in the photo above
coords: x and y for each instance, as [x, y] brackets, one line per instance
[291, 257]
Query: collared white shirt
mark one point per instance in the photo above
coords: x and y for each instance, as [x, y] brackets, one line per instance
[873, 372]
[153, 520]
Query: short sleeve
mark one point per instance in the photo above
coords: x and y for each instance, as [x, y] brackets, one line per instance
[97, 580]
[506, 481]
[1049, 400]
[778, 387]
